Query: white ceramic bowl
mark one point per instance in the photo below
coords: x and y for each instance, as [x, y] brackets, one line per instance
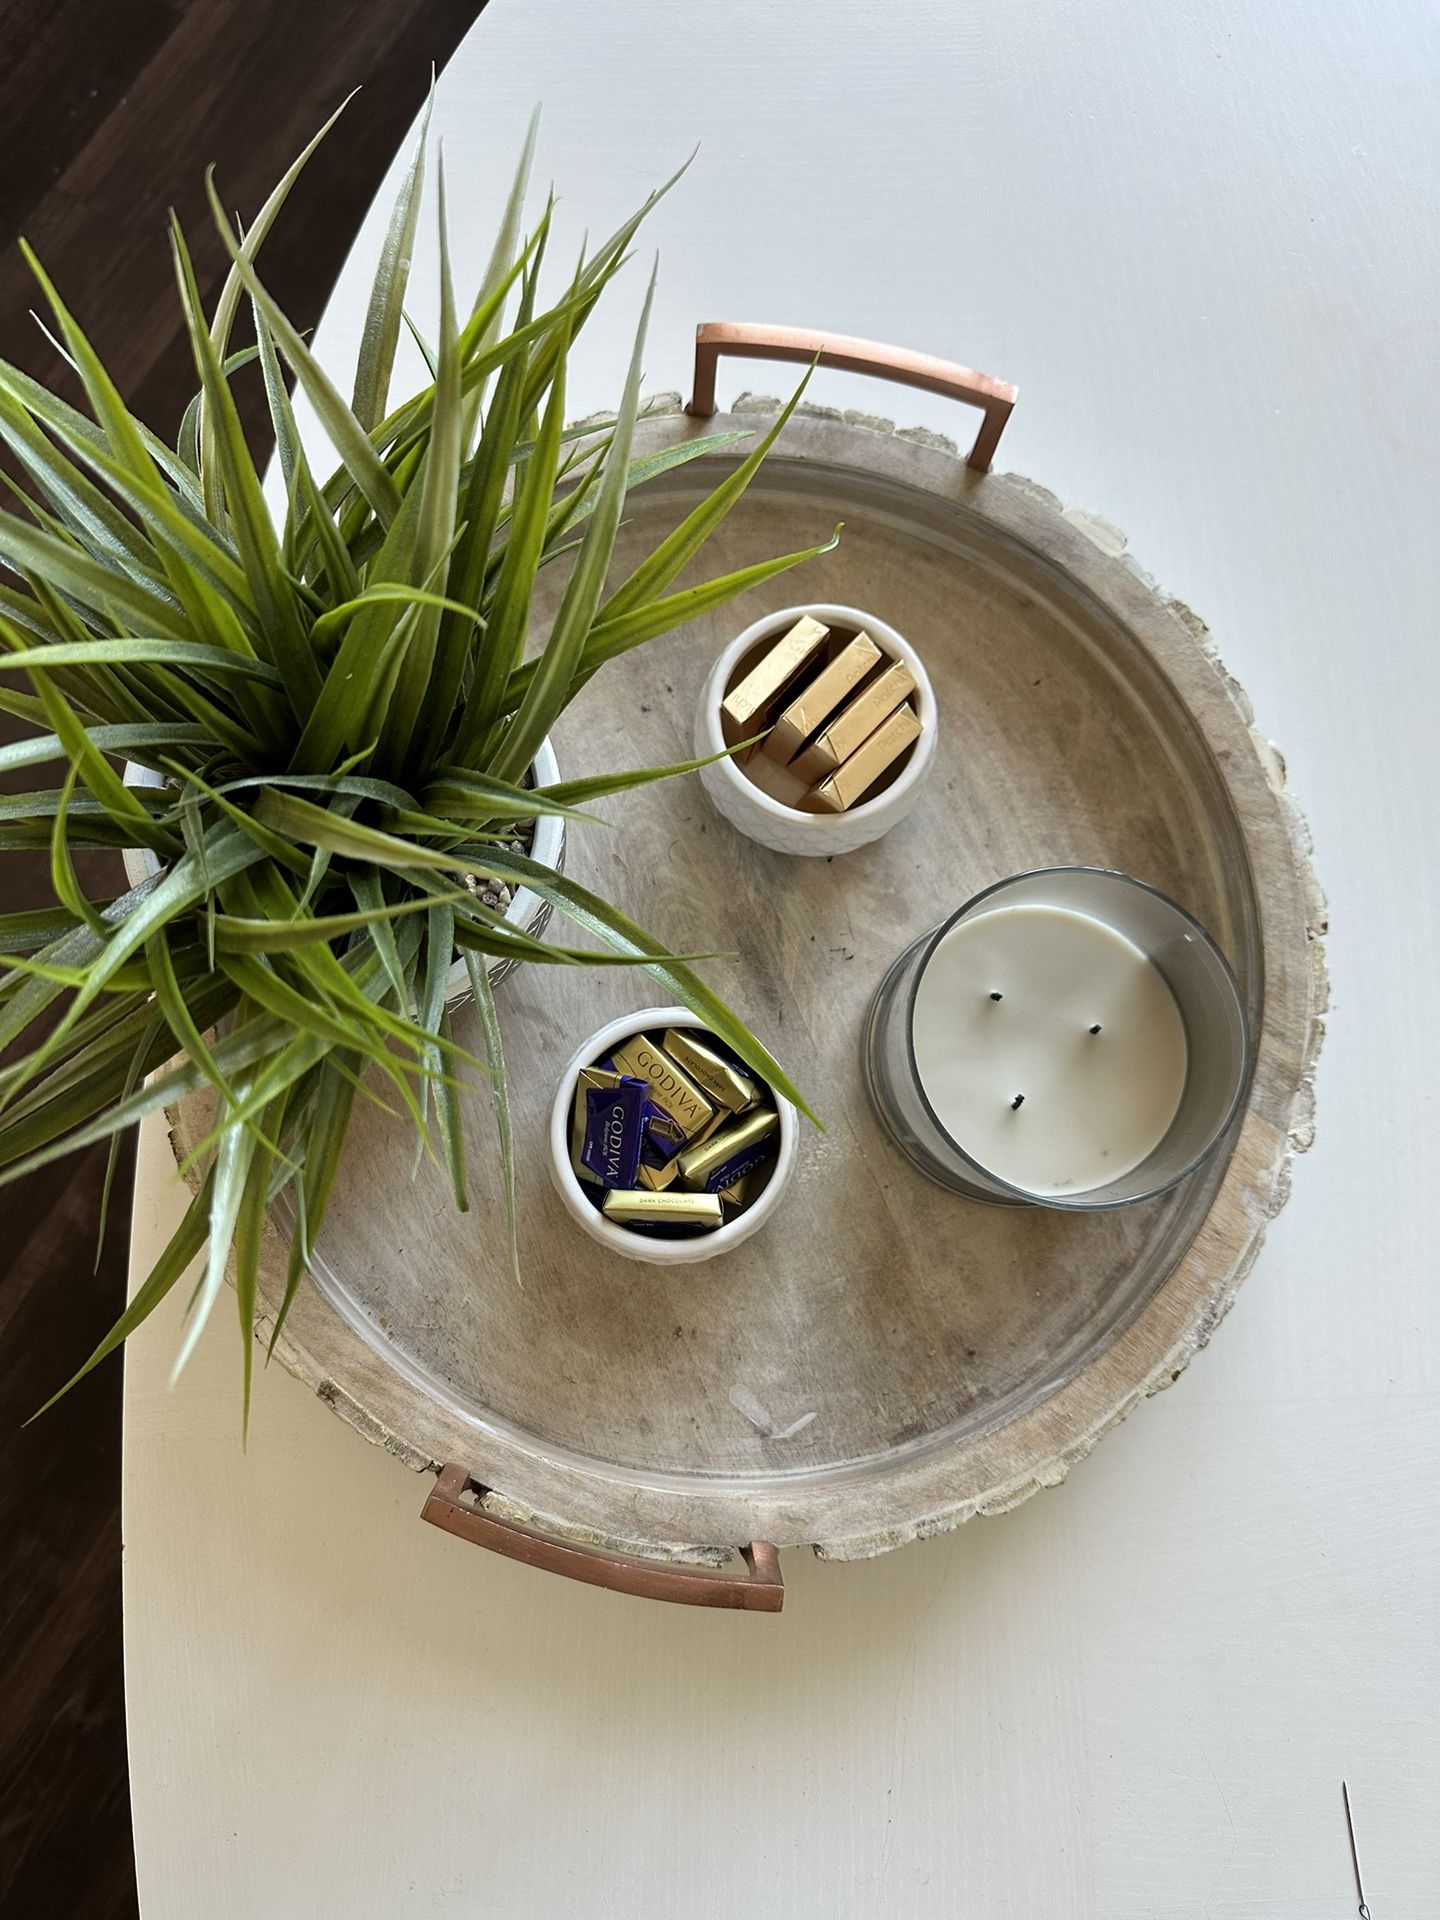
[787, 829]
[640, 1246]
[526, 910]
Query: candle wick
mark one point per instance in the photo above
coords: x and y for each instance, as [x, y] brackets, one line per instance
[1096, 1027]
[997, 996]
[1018, 1101]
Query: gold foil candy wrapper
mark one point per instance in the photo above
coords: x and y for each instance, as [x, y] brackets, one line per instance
[658, 1178]
[727, 1084]
[747, 702]
[736, 1196]
[816, 702]
[699, 1164]
[670, 1086]
[853, 778]
[677, 1209]
[855, 723]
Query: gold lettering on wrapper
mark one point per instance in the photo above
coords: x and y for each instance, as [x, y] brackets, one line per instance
[588, 1077]
[670, 1087]
[674, 1209]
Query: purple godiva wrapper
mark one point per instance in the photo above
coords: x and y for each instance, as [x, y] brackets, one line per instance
[614, 1132]
[665, 1230]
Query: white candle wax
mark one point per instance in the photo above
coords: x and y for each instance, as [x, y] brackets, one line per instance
[1092, 1104]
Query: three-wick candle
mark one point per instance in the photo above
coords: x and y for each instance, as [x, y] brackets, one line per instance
[1071, 1038]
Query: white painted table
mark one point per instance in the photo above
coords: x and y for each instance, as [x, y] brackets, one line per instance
[1203, 240]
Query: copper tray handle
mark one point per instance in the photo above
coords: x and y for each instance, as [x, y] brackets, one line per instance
[759, 1590]
[995, 398]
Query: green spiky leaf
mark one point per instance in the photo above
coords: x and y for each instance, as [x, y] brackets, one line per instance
[341, 724]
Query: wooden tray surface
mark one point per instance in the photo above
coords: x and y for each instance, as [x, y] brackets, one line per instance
[954, 1356]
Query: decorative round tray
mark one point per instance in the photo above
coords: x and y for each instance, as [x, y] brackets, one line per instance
[885, 1360]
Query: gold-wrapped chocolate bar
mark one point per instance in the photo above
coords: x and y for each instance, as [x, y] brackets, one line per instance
[670, 1087]
[731, 1151]
[641, 1207]
[747, 701]
[819, 698]
[708, 1069]
[737, 1194]
[854, 723]
[660, 1179]
[721, 1117]
[854, 777]
[600, 1078]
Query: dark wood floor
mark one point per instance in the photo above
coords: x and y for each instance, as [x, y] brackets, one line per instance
[109, 112]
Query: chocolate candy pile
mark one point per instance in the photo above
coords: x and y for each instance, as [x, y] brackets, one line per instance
[672, 1136]
[839, 714]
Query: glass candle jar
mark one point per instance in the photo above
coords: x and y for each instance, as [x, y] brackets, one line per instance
[1069, 1038]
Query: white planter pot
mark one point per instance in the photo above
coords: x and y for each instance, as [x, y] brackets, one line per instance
[786, 829]
[526, 910]
[639, 1246]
